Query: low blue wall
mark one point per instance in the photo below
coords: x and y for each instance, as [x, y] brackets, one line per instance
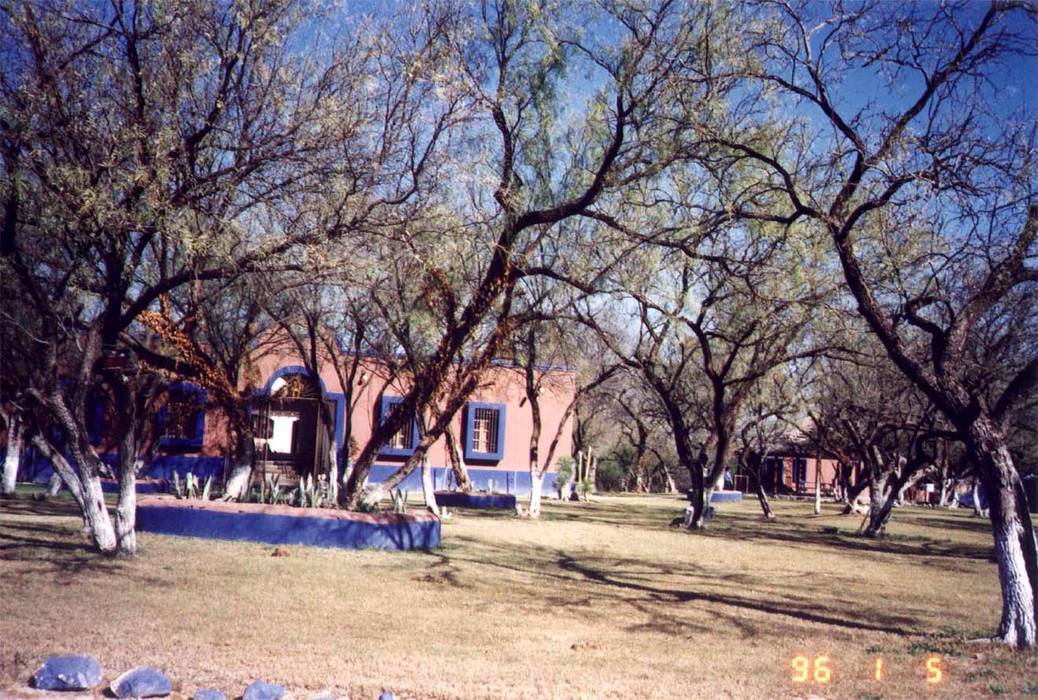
[111, 486]
[396, 532]
[457, 499]
[500, 480]
[37, 468]
[725, 497]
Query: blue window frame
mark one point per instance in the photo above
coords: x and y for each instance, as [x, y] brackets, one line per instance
[484, 432]
[403, 443]
[800, 471]
[181, 421]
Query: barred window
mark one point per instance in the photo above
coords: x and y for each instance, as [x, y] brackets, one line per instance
[484, 430]
[402, 443]
[180, 417]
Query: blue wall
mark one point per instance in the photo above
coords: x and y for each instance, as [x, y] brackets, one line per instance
[37, 468]
[514, 482]
[395, 532]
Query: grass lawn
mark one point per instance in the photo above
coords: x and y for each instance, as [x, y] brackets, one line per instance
[599, 599]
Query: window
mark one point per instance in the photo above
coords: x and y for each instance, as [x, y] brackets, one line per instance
[182, 419]
[484, 432]
[403, 441]
[800, 470]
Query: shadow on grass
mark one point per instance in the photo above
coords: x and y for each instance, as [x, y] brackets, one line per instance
[567, 580]
[803, 536]
[57, 548]
[26, 504]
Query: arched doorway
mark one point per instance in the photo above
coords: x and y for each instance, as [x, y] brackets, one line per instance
[295, 440]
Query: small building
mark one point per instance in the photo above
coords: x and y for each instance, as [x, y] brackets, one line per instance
[493, 429]
[794, 467]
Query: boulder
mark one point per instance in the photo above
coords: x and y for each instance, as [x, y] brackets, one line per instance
[208, 694]
[142, 682]
[68, 673]
[258, 690]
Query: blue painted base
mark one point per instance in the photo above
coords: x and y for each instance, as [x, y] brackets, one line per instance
[725, 497]
[457, 499]
[278, 525]
[516, 483]
[112, 486]
[38, 469]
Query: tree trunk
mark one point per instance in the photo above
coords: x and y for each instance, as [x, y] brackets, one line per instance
[237, 486]
[96, 517]
[126, 511]
[428, 488]
[54, 484]
[15, 443]
[536, 489]
[977, 510]
[457, 460]
[852, 494]
[85, 487]
[881, 500]
[1016, 550]
[818, 487]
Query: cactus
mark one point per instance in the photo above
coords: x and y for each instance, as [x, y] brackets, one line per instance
[208, 486]
[177, 490]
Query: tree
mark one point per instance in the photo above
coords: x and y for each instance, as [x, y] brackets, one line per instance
[941, 162]
[508, 60]
[148, 147]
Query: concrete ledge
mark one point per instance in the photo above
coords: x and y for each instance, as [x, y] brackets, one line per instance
[458, 499]
[253, 522]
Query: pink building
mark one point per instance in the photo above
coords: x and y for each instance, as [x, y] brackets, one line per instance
[493, 429]
[794, 468]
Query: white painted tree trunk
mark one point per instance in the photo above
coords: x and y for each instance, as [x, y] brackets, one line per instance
[237, 486]
[536, 489]
[818, 487]
[1017, 626]
[95, 516]
[126, 512]
[54, 485]
[15, 443]
[1016, 548]
[428, 488]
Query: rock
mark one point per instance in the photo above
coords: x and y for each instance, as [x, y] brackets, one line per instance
[142, 682]
[386, 696]
[208, 694]
[258, 690]
[68, 673]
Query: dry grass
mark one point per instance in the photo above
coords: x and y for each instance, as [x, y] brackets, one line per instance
[597, 600]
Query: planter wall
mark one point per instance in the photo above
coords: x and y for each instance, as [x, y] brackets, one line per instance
[287, 525]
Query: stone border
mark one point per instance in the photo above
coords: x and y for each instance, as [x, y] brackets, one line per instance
[253, 522]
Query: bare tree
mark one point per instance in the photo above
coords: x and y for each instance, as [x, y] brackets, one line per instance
[945, 166]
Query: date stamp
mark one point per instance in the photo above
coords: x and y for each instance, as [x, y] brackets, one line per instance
[823, 670]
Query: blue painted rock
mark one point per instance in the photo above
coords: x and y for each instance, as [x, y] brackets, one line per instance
[386, 696]
[68, 673]
[142, 682]
[208, 694]
[258, 690]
